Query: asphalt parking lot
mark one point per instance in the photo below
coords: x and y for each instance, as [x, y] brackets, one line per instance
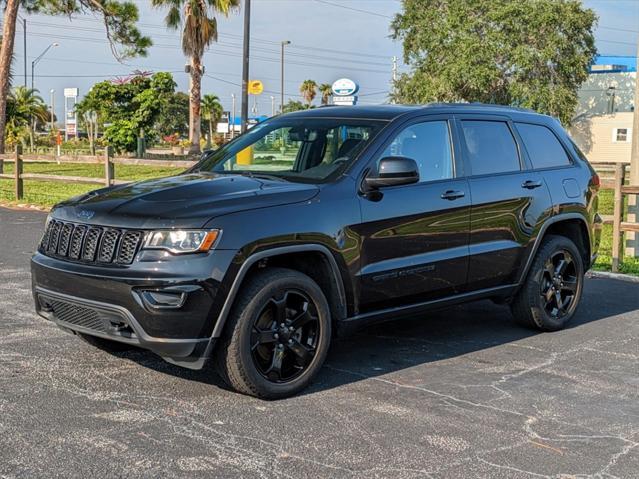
[464, 392]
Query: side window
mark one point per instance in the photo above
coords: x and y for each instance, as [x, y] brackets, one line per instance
[491, 147]
[429, 145]
[543, 146]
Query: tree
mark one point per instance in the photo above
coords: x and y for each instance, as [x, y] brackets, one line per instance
[326, 91]
[199, 30]
[294, 105]
[212, 112]
[25, 110]
[119, 23]
[512, 52]
[174, 117]
[131, 107]
[308, 89]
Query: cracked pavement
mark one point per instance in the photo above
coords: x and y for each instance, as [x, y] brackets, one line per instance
[464, 392]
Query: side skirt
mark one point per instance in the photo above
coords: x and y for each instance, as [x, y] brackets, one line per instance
[349, 325]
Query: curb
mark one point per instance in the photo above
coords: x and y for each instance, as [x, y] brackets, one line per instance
[618, 276]
[24, 207]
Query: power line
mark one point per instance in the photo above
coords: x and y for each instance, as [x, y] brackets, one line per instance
[220, 52]
[368, 12]
[239, 37]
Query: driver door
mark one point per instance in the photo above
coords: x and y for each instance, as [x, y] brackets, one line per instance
[415, 237]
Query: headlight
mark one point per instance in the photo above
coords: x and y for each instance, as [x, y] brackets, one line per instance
[182, 241]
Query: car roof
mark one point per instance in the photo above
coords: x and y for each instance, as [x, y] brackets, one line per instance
[390, 112]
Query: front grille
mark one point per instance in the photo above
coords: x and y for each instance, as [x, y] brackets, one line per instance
[90, 244]
[75, 314]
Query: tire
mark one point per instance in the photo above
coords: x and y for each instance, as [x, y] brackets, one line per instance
[106, 344]
[260, 357]
[551, 293]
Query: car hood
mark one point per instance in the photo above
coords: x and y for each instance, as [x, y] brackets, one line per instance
[184, 201]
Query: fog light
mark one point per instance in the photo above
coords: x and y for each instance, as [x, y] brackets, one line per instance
[163, 299]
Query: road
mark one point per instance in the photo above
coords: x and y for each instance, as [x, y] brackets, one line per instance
[464, 392]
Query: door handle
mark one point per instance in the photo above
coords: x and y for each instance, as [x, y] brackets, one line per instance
[530, 184]
[452, 195]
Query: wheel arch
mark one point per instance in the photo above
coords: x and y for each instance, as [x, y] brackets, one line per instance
[571, 225]
[332, 287]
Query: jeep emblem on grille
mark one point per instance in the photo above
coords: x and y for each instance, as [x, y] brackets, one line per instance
[85, 214]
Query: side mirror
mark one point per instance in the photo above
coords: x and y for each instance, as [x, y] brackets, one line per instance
[394, 171]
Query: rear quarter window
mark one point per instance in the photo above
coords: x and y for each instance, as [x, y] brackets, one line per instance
[542, 145]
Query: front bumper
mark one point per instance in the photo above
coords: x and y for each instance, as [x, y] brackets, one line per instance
[111, 302]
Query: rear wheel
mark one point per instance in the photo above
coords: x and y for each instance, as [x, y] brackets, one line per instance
[277, 335]
[552, 291]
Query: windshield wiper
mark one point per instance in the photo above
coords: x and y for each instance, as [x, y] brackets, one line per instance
[265, 176]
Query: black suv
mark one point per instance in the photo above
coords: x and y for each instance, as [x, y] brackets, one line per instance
[316, 221]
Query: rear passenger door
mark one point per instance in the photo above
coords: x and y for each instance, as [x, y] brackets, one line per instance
[509, 201]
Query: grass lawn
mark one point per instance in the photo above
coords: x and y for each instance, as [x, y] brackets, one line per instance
[46, 193]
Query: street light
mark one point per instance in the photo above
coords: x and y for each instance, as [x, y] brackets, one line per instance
[284, 43]
[35, 62]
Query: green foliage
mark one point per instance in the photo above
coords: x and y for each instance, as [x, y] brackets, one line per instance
[130, 108]
[23, 106]
[326, 90]
[212, 108]
[174, 117]
[308, 89]
[199, 26]
[533, 54]
[294, 105]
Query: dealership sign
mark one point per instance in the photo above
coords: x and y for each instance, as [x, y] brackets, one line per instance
[345, 92]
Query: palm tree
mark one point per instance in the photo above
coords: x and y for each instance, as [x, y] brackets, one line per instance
[326, 91]
[6, 54]
[199, 29]
[308, 89]
[26, 109]
[211, 111]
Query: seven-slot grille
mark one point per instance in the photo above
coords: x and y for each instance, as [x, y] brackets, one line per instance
[90, 243]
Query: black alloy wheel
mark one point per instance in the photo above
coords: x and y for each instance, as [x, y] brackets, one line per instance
[285, 336]
[277, 335]
[550, 295]
[559, 284]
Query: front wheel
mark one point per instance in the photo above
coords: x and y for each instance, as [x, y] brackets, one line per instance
[277, 335]
[550, 296]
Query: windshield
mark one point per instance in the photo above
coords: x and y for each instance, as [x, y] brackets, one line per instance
[297, 149]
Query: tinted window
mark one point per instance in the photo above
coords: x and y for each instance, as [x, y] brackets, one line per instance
[428, 144]
[491, 147]
[542, 145]
[294, 149]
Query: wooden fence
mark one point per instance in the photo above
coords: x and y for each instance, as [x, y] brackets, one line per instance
[619, 226]
[613, 176]
[106, 159]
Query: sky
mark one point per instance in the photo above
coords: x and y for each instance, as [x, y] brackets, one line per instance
[330, 39]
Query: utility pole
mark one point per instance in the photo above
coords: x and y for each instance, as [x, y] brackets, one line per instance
[24, 33]
[394, 74]
[272, 106]
[232, 121]
[632, 243]
[52, 110]
[284, 43]
[245, 64]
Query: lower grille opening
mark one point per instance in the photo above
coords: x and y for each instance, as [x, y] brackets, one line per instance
[86, 317]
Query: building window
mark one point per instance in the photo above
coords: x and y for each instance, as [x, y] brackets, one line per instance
[621, 135]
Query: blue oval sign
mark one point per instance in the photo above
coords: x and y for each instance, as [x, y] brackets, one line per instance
[345, 87]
